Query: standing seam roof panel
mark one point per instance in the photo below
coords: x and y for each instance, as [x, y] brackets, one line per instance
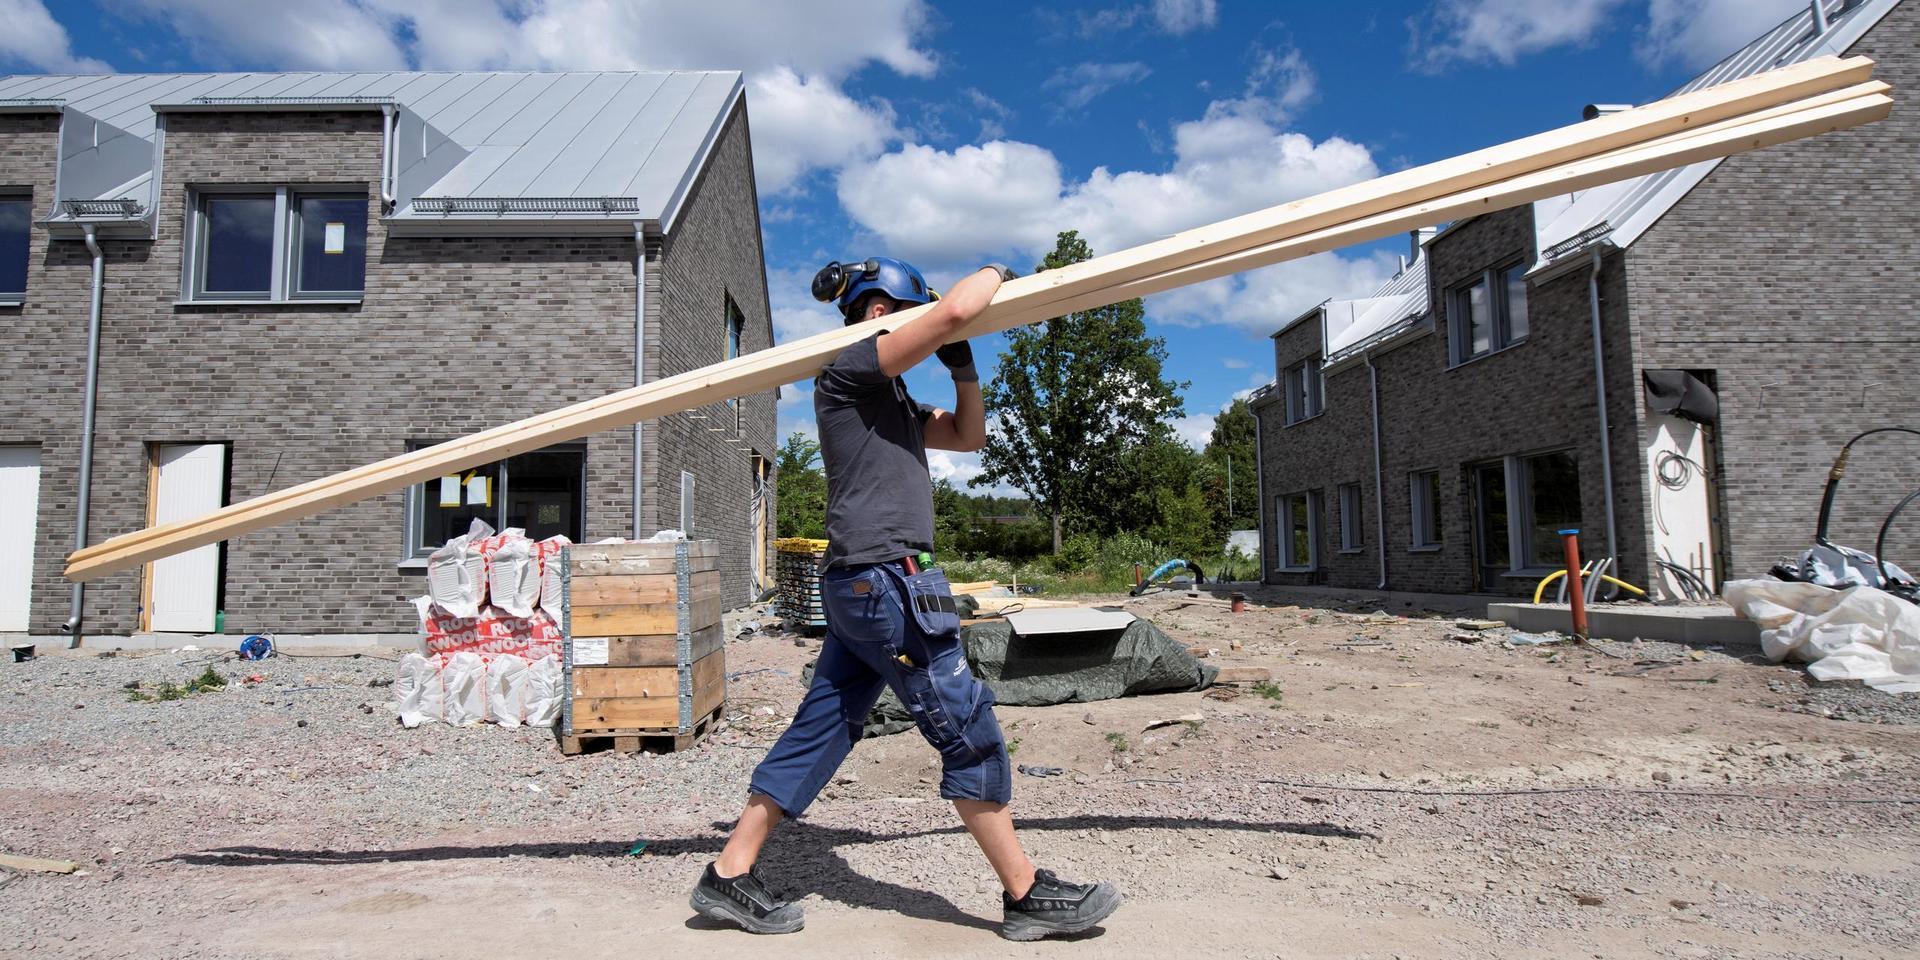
[613, 172]
[553, 138]
[685, 136]
[569, 169]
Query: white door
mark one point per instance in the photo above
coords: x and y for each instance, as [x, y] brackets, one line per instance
[185, 586]
[19, 507]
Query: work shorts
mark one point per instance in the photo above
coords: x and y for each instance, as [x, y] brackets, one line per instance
[888, 628]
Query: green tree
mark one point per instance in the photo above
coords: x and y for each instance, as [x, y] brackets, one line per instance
[801, 489]
[1230, 453]
[1072, 397]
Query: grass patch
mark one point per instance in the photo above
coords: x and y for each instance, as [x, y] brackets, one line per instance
[167, 690]
[1119, 742]
[1268, 689]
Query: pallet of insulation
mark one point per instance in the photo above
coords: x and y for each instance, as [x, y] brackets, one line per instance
[644, 653]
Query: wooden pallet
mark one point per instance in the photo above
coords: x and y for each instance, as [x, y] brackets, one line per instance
[669, 740]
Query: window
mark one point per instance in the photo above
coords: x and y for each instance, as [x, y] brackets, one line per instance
[543, 493]
[1306, 391]
[1423, 493]
[16, 224]
[1351, 538]
[1520, 506]
[736, 328]
[1489, 314]
[1299, 532]
[280, 244]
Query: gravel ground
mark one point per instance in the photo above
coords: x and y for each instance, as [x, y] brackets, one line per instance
[1401, 794]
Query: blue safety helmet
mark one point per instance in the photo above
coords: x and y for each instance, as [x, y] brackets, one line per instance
[846, 283]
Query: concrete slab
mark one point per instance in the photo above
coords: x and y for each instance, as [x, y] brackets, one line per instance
[1704, 625]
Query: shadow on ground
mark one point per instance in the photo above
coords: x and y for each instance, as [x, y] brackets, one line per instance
[802, 853]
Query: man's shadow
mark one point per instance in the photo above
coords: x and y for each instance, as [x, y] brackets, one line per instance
[805, 856]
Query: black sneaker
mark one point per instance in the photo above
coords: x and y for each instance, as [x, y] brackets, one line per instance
[745, 902]
[1054, 906]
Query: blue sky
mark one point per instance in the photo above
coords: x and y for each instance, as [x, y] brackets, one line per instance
[954, 134]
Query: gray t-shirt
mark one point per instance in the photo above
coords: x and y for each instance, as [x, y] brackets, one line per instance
[873, 445]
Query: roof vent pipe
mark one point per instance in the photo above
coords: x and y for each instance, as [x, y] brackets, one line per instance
[1593, 110]
[1820, 24]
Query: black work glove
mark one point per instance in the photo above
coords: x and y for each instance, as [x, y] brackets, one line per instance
[958, 356]
[1006, 273]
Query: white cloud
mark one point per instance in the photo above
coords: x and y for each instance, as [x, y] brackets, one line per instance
[1076, 86]
[1185, 16]
[953, 467]
[1502, 31]
[796, 315]
[1233, 363]
[1194, 429]
[1264, 300]
[1007, 199]
[1698, 33]
[796, 56]
[33, 38]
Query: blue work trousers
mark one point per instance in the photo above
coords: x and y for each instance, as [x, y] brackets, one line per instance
[887, 627]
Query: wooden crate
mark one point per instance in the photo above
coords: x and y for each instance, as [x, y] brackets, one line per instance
[644, 661]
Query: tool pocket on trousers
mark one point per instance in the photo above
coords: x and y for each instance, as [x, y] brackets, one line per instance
[928, 600]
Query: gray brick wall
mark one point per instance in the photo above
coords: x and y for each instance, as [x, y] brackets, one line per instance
[454, 335]
[712, 254]
[1789, 272]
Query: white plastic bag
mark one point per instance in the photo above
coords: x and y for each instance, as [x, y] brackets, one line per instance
[1858, 633]
[507, 690]
[456, 572]
[548, 553]
[543, 681]
[418, 694]
[464, 678]
[513, 577]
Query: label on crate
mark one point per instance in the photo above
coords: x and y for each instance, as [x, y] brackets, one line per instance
[589, 651]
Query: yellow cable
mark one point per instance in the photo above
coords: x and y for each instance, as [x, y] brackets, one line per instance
[1541, 590]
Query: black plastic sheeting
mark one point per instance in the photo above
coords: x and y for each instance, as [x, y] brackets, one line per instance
[1055, 668]
[1681, 394]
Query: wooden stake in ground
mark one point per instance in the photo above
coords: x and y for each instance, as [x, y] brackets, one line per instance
[1776, 107]
[36, 864]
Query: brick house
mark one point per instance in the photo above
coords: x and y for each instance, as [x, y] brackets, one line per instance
[304, 273]
[1436, 435]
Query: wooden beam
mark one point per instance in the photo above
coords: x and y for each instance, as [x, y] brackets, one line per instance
[1794, 102]
[37, 864]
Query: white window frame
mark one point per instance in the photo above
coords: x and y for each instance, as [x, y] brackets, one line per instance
[1310, 500]
[1309, 400]
[1352, 536]
[1423, 501]
[1501, 336]
[283, 273]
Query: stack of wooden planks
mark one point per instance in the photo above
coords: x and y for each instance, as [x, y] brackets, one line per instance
[1789, 103]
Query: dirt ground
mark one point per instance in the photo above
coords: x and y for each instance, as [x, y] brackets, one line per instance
[1395, 793]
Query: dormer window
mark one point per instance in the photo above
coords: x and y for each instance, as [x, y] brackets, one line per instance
[1488, 314]
[278, 244]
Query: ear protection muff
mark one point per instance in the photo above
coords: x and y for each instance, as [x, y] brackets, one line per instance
[834, 278]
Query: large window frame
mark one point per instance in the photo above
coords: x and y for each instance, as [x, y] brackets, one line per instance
[1306, 388]
[500, 474]
[1299, 514]
[1427, 532]
[1352, 537]
[19, 207]
[1502, 292]
[288, 231]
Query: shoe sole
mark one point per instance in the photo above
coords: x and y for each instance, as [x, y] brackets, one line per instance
[727, 911]
[1103, 901]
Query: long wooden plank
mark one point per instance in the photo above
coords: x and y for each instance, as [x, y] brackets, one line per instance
[641, 567]
[585, 553]
[41, 864]
[630, 619]
[647, 708]
[1124, 275]
[1678, 113]
[653, 588]
[1664, 117]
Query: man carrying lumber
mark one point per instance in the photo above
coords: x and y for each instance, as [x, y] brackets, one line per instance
[890, 619]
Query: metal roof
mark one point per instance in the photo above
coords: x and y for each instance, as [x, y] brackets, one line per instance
[1617, 213]
[473, 150]
[1623, 211]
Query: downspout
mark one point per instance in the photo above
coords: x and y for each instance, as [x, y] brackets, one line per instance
[1379, 475]
[72, 626]
[1260, 489]
[388, 166]
[639, 357]
[1600, 392]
